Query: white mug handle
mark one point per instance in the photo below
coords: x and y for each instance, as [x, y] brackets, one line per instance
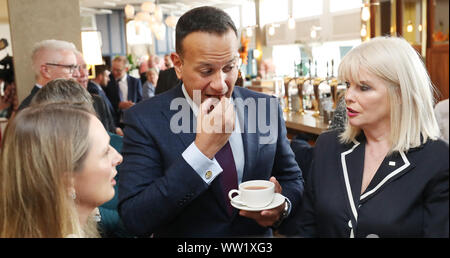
[230, 193]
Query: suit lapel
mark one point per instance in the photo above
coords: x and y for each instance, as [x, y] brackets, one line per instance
[184, 112]
[352, 161]
[392, 167]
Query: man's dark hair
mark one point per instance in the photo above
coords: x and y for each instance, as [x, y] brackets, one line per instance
[100, 69]
[204, 19]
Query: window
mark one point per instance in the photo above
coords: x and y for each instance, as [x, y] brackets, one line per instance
[341, 5]
[273, 11]
[248, 14]
[307, 8]
[328, 51]
[284, 59]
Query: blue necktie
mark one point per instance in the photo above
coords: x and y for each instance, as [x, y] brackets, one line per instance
[228, 177]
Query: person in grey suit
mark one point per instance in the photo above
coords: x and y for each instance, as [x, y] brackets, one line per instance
[175, 178]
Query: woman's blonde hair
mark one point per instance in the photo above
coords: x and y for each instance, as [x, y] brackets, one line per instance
[42, 147]
[395, 61]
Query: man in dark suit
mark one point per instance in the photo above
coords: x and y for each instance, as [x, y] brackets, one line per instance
[97, 85]
[167, 79]
[51, 59]
[123, 90]
[175, 182]
[99, 104]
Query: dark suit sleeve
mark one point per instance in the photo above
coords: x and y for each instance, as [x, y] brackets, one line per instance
[288, 174]
[103, 113]
[161, 84]
[167, 79]
[149, 194]
[436, 222]
[111, 91]
[306, 217]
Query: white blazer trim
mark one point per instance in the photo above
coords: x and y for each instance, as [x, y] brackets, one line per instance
[393, 173]
[347, 184]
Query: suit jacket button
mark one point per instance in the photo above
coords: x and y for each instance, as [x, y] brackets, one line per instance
[208, 174]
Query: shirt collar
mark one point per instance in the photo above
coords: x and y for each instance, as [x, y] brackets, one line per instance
[124, 78]
[194, 106]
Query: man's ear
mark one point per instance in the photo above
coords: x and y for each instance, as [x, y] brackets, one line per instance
[43, 70]
[177, 64]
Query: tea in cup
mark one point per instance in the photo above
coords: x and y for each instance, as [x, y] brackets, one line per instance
[254, 193]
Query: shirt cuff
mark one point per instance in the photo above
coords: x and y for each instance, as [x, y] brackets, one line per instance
[206, 168]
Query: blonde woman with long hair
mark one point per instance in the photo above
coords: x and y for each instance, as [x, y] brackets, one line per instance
[56, 167]
[387, 173]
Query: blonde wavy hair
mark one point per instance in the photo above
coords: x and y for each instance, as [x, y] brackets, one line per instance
[395, 61]
[42, 147]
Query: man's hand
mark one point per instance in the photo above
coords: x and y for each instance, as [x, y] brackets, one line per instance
[266, 218]
[215, 123]
[125, 104]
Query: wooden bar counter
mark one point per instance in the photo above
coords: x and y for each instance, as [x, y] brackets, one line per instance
[307, 123]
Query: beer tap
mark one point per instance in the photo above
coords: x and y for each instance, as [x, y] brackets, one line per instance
[333, 85]
[317, 81]
[300, 81]
[287, 80]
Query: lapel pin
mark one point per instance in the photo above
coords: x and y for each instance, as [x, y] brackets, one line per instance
[392, 163]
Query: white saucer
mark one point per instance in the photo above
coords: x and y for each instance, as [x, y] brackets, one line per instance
[278, 199]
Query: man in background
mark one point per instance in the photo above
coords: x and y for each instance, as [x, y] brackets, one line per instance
[123, 90]
[167, 79]
[99, 105]
[97, 85]
[51, 59]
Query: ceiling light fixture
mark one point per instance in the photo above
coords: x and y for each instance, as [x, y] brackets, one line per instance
[291, 22]
[365, 13]
[410, 26]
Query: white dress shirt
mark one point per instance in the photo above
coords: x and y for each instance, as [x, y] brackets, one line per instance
[123, 87]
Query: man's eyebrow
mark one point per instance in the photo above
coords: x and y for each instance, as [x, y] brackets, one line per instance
[203, 64]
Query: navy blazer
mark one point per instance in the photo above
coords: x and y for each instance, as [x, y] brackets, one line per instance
[112, 92]
[93, 89]
[407, 197]
[160, 193]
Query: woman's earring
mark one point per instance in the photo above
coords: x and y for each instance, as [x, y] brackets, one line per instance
[74, 194]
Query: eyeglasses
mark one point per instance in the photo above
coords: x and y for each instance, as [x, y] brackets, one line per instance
[71, 68]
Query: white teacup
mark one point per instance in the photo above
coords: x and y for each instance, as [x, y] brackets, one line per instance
[254, 193]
